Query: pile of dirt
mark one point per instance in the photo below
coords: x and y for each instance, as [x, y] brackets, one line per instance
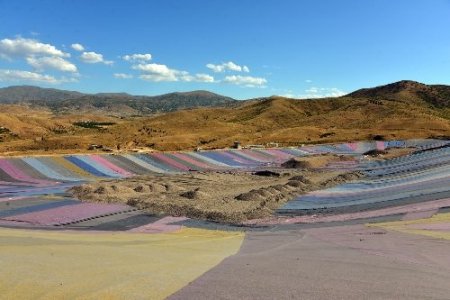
[389, 153]
[195, 194]
[231, 197]
[375, 152]
[109, 192]
[314, 161]
[267, 173]
[301, 178]
[296, 163]
[342, 178]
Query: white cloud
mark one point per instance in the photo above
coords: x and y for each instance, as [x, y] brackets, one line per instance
[247, 81]
[159, 73]
[137, 57]
[312, 90]
[317, 92]
[122, 76]
[196, 78]
[19, 75]
[94, 58]
[204, 78]
[308, 81]
[21, 47]
[157, 77]
[77, 47]
[51, 62]
[228, 66]
[216, 68]
[289, 95]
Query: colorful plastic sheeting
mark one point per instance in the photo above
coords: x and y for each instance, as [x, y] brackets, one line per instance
[108, 265]
[65, 214]
[438, 226]
[35, 207]
[50, 170]
[423, 175]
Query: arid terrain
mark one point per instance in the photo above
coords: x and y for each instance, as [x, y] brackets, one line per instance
[271, 210]
[224, 150]
[232, 196]
[402, 110]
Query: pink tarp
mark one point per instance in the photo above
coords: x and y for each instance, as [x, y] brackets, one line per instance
[69, 213]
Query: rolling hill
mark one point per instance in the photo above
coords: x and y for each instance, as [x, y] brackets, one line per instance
[401, 110]
[117, 104]
[25, 94]
[408, 91]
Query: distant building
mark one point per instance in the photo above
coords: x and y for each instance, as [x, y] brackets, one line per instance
[237, 145]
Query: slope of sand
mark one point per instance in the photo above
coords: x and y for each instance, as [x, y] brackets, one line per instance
[217, 196]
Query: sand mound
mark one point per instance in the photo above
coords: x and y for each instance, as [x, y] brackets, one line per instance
[342, 178]
[314, 161]
[231, 197]
[253, 195]
[115, 191]
[301, 178]
[142, 189]
[296, 163]
[196, 194]
[82, 191]
[295, 183]
[273, 193]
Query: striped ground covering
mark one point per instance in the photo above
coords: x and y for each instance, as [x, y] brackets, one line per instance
[26, 183]
[134, 264]
[62, 264]
[64, 214]
[437, 226]
[422, 176]
[51, 171]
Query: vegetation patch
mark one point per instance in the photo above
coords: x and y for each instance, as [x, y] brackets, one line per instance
[93, 124]
[327, 134]
[4, 130]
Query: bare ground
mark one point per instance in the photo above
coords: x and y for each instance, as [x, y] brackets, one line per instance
[231, 197]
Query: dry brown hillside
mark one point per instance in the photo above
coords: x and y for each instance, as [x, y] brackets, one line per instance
[408, 91]
[290, 122]
[400, 110]
[286, 121]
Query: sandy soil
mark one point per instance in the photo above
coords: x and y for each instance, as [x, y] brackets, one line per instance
[217, 196]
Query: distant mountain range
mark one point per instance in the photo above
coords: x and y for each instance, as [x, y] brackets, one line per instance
[26, 93]
[62, 101]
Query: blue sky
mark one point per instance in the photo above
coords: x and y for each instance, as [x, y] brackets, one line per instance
[239, 48]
